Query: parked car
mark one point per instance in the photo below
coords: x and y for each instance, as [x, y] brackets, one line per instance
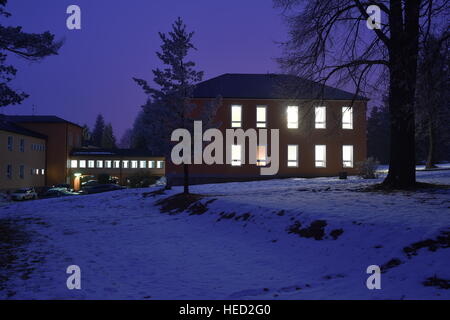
[58, 192]
[89, 183]
[62, 185]
[24, 194]
[100, 188]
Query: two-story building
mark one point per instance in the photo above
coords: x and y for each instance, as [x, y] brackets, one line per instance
[322, 130]
[22, 157]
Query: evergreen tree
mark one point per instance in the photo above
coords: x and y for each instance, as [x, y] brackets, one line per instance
[86, 135]
[126, 139]
[108, 138]
[97, 133]
[29, 46]
[169, 106]
[378, 134]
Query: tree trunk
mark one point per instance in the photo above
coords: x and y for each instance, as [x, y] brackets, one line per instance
[186, 179]
[431, 145]
[403, 52]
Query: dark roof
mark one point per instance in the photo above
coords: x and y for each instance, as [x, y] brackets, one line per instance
[9, 126]
[43, 119]
[268, 86]
[101, 152]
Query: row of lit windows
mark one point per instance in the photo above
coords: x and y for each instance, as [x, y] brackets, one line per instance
[33, 172]
[125, 164]
[292, 119]
[293, 156]
[34, 146]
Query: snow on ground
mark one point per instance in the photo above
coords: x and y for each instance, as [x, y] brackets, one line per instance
[251, 243]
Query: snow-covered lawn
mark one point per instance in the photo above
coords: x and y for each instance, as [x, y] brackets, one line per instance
[255, 241]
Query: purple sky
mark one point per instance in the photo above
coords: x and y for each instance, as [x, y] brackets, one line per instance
[118, 40]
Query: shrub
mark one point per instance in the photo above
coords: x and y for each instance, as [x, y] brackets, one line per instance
[367, 169]
[141, 180]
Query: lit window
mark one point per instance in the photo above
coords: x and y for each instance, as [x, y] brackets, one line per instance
[261, 156]
[82, 163]
[42, 171]
[22, 145]
[36, 171]
[236, 155]
[321, 156]
[292, 117]
[116, 163]
[347, 118]
[151, 164]
[347, 156]
[134, 164]
[142, 164]
[160, 164]
[9, 171]
[292, 155]
[236, 116]
[320, 117]
[261, 113]
[125, 163]
[10, 143]
[99, 163]
[21, 171]
[91, 164]
[108, 163]
[74, 163]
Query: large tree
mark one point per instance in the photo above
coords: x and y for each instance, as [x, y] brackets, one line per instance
[108, 138]
[97, 133]
[329, 40]
[432, 100]
[29, 46]
[169, 105]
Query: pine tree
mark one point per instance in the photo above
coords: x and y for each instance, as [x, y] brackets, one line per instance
[170, 105]
[86, 135]
[97, 133]
[29, 46]
[126, 139]
[108, 138]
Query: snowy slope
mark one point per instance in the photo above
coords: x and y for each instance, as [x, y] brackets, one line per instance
[250, 244]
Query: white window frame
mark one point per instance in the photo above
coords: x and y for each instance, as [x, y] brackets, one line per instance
[143, 164]
[347, 163]
[116, 164]
[292, 162]
[320, 163]
[151, 164]
[42, 171]
[82, 164]
[99, 164]
[9, 171]
[236, 123]
[320, 123]
[108, 164]
[160, 164]
[261, 123]
[10, 143]
[134, 164]
[292, 117]
[125, 164]
[74, 164]
[91, 164]
[347, 124]
[235, 150]
[22, 145]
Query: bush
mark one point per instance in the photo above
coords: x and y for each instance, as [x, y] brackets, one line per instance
[367, 169]
[141, 180]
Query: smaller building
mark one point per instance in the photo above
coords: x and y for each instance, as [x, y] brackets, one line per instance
[23, 157]
[88, 163]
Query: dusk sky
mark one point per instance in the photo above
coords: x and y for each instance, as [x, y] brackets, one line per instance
[118, 40]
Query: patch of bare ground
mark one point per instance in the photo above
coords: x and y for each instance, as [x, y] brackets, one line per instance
[419, 186]
[13, 239]
[437, 282]
[315, 230]
[441, 241]
[184, 202]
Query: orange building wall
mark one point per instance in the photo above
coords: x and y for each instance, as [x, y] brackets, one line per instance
[306, 137]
